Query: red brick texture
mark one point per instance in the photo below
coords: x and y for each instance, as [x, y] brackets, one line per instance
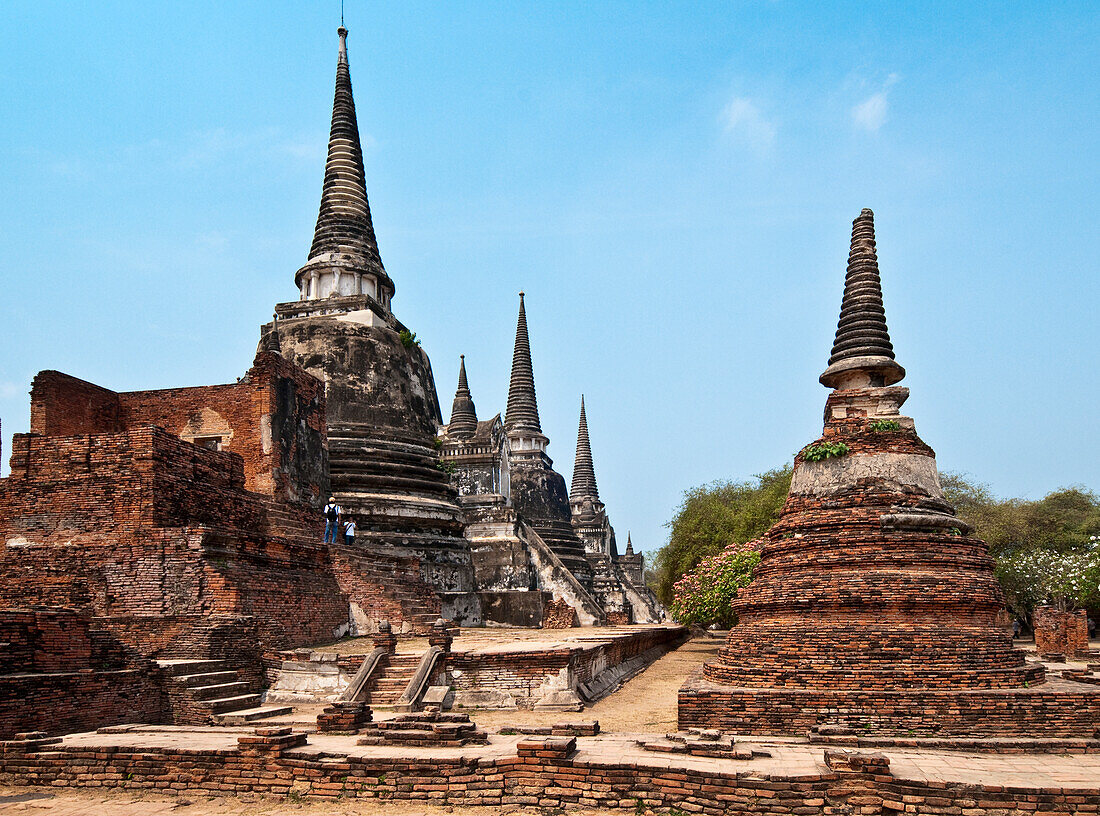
[1063, 632]
[559, 615]
[274, 417]
[385, 587]
[543, 773]
[58, 676]
[68, 702]
[158, 537]
[869, 601]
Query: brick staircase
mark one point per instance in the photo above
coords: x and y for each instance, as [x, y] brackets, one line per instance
[201, 692]
[388, 684]
[426, 728]
[386, 587]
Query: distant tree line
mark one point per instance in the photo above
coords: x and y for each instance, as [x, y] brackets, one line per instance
[1046, 551]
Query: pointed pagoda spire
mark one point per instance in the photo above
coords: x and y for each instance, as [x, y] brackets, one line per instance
[463, 414]
[344, 235]
[522, 413]
[584, 475]
[862, 353]
[629, 545]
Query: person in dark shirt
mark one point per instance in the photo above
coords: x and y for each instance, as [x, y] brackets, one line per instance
[333, 512]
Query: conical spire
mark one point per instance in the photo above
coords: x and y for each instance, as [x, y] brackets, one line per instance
[522, 413]
[862, 345]
[463, 414]
[629, 545]
[584, 476]
[343, 223]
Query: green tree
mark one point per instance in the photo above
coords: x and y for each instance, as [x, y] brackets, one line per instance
[713, 516]
[1046, 550]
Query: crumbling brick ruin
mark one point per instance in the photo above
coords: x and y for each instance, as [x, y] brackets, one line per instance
[110, 512]
[873, 607]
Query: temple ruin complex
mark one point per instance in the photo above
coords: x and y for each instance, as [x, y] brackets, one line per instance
[172, 621]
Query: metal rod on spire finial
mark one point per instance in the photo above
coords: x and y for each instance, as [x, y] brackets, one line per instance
[341, 13]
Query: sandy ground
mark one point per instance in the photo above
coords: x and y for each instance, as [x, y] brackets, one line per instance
[647, 703]
[87, 803]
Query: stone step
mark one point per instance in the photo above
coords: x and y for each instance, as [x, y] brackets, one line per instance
[221, 691]
[364, 463]
[372, 483]
[207, 679]
[236, 703]
[388, 685]
[180, 668]
[247, 715]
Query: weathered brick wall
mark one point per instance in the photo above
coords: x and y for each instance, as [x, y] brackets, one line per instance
[66, 702]
[66, 406]
[1021, 712]
[276, 414]
[140, 523]
[274, 417]
[382, 587]
[543, 773]
[43, 640]
[58, 676]
[558, 615]
[1065, 632]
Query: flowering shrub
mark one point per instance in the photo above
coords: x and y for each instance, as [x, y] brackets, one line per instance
[1065, 580]
[704, 595]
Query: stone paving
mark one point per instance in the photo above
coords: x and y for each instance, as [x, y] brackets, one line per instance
[648, 698]
[790, 757]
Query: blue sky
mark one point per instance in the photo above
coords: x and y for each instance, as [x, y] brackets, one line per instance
[672, 184]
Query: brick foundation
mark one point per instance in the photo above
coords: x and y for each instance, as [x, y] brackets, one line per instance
[1050, 710]
[57, 675]
[1063, 632]
[544, 772]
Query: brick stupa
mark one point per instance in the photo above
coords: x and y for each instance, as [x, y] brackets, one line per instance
[873, 608]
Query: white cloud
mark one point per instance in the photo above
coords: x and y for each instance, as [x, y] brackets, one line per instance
[742, 118]
[871, 113]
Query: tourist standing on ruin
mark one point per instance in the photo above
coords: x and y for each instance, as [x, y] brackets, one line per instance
[349, 532]
[333, 512]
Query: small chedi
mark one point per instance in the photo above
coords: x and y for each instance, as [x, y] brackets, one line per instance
[872, 606]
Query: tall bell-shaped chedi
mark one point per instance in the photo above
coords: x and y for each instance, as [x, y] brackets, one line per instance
[538, 491]
[872, 607]
[383, 412]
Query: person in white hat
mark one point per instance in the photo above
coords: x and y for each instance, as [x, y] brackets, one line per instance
[333, 512]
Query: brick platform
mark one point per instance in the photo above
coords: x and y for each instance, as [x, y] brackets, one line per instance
[552, 772]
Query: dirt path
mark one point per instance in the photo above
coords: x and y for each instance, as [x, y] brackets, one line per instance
[647, 703]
